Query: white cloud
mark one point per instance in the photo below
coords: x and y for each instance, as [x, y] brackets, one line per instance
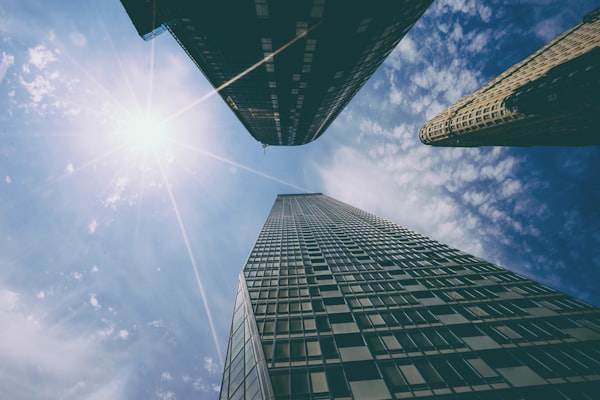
[210, 365]
[95, 268]
[40, 295]
[5, 63]
[548, 29]
[92, 226]
[123, 334]
[94, 301]
[166, 376]
[8, 179]
[117, 195]
[77, 39]
[40, 56]
[156, 324]
[168, 395]
[38, 89]
[427, 189]
[108, 329]
[58, 357]
[69, 169]
[406, 51]
[470, 7]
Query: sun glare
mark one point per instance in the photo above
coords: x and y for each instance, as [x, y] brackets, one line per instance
[144, 132]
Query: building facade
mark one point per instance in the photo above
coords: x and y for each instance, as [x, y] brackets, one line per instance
[550, 98]
[286, 69]
[336, 303]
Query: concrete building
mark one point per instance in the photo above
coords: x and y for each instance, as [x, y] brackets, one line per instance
[286, 69]
[337, 303]
[551, 98]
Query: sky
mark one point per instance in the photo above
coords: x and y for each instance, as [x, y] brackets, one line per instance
[131, 196]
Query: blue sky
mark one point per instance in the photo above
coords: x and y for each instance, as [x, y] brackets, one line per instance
[102, 237]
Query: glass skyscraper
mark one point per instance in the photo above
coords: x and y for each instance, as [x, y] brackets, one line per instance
[285, 68]
[337, 303]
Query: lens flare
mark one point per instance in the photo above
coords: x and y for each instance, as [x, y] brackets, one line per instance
[144, 132]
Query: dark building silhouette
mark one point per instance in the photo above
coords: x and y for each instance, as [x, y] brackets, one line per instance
[550, 98]
[313, 55]
[336, 303]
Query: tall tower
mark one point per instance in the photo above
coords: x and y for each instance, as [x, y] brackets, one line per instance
[335, 303]
[285, 68]
[550, 98]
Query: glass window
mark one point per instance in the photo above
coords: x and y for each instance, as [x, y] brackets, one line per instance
[393, 377]
[361, 370]
[313, 348]
[299, 381]
[391, 342]
[328, 347]
[413, 376]
[319, 382]
[281, 383]
[297, 349]
[337, 382]
[282, 351]
[482, 368]
[430, 374]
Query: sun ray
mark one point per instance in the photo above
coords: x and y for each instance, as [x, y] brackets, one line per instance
[116, 55]
[97, 83]
[241, 166]
[242, 74]
[83, 166]
[151, 85]
[193, 262]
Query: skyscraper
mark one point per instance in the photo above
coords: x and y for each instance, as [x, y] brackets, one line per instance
[550, 98]
[285, 68]
[335, 303]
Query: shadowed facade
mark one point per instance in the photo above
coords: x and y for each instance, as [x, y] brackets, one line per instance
[307, 59]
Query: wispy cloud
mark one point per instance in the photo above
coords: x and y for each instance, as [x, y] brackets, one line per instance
[5, 63]
[58, 357]
[487, 201]
[210, 365]
[92, 226]
[94, 301]
[40, 56]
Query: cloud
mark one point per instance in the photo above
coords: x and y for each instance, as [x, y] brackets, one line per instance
[8, 179]
[94, 301]
[470, 7]
[210, 365]
[77, 39]
[166, 376]
[123, 334]
[69, 169]
[118, 194]
[165, 395]
[5, 63]
[39, 88]
[40, 56]
[548, 29]
[58, 357]
[92, 226]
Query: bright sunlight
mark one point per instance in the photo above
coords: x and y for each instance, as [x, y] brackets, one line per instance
[144, 132]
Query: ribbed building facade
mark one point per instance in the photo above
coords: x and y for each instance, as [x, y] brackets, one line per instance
[285, 68]
[337, 303]
[550, 98]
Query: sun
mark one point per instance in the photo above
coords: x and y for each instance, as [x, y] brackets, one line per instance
[144, 131]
